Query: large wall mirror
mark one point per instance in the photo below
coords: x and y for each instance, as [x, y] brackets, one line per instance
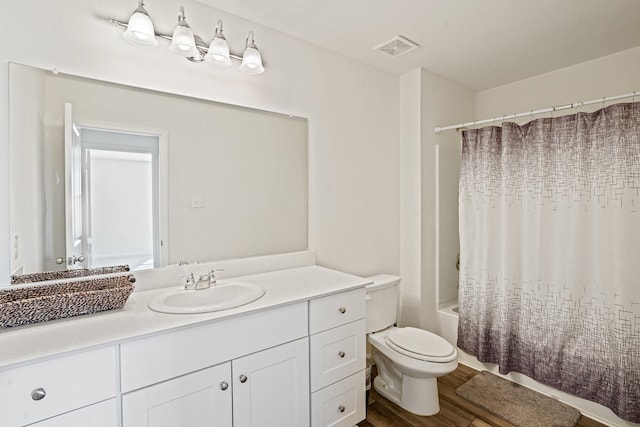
[105, 174]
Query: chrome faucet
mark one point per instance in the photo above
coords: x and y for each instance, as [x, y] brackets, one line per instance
[205, 281]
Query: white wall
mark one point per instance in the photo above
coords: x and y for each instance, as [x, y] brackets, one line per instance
[443, 102]
[410, 206]
[607, 76]
[352, 109]
[448, 242]
[429, 209]
[610, 75]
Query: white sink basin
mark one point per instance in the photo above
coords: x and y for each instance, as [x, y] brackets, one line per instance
[223, 296]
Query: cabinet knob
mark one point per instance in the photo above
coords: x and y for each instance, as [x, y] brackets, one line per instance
[224, 385]
[243, 379]
[342, 310]
[341, 354]
[341, 408]
[38, 393]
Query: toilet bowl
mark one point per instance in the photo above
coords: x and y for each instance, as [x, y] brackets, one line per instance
[409, 360]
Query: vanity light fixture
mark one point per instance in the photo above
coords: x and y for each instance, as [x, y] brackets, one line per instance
[183, 41]
[251, 60]
[140, 28]
[219, 49]
[140, 31]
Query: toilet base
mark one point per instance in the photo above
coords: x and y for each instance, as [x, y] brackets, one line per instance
[419, 395]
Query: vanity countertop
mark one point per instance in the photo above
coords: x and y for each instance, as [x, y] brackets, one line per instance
[30, 342]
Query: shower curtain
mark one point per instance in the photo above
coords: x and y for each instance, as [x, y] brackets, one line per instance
[550, 252]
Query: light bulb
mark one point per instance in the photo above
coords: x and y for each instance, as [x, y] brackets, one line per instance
[140, 28]
[251, 60]
[218, 52]
[182, 41]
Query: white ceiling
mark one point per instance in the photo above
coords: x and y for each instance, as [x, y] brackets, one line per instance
[478, 43]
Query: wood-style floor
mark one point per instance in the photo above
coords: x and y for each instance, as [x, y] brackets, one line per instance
[455, 411]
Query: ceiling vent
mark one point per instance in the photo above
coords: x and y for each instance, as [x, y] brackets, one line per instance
[396, 46]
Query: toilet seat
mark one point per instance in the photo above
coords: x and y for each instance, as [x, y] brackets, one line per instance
[420, 344]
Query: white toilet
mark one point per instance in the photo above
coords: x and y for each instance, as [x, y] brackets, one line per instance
[408, 359]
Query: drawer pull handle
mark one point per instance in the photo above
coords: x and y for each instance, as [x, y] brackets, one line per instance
[341, 354]
[224, 385]
[342, 310]
[341, 408]
[38, 393]
[243, 379]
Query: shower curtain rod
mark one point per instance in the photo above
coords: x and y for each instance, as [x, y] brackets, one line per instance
[532, 112]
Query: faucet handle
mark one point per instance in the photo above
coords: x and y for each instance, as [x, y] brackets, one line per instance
[204, 281]
[212, 275]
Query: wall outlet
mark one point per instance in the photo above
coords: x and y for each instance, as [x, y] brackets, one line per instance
[198, 201]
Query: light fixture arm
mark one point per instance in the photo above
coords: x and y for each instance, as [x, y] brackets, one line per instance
[182, 20]
[140, 8]
[252, 44]
[219, 30]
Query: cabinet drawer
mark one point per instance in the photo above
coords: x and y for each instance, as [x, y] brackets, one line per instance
[341, 404]
[103, 414]
[337, 353]
[66, 383]
[335, 310]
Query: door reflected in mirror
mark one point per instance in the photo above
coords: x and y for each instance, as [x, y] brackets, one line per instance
[118, 220]
[115, 195]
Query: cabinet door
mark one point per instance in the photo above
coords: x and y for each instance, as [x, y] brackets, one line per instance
[199, 399]
[271, 387]
[103, 414]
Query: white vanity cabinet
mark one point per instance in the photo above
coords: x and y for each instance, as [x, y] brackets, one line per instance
[50, 388]
[337, 359]
[256, 363]
[268, 388]
[298, 360]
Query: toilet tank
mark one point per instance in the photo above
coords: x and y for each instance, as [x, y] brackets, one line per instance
[382, 302]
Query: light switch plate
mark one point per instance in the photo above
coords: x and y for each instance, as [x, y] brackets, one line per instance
[15, 247]
[198, 201]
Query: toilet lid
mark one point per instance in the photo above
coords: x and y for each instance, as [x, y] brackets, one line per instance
[421, 344]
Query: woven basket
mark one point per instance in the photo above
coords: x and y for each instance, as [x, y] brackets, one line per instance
[44, 302]
[67, 274]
